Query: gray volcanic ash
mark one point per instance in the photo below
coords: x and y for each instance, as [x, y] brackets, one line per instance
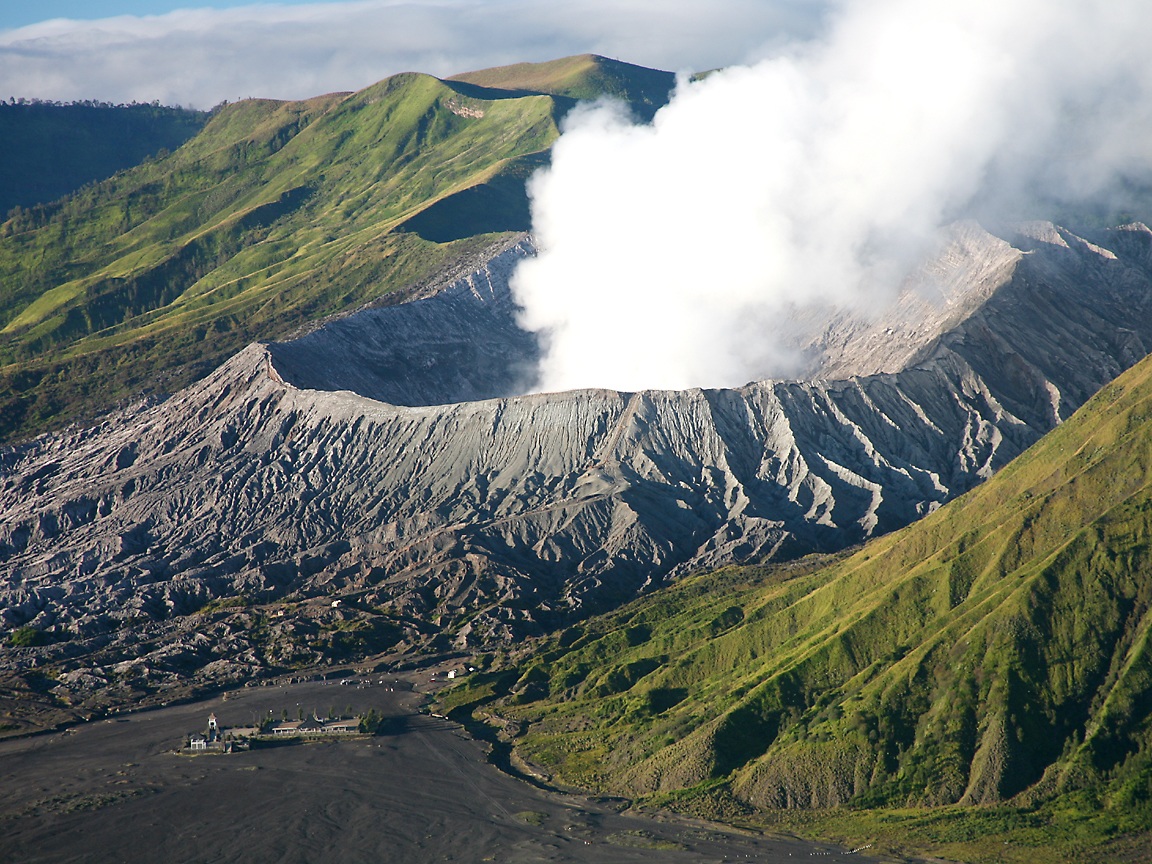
[272, 480]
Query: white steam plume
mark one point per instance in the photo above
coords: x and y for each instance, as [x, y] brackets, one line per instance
[668, 251]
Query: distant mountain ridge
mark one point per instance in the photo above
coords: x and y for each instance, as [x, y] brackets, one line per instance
[583, 77]
[49, 150]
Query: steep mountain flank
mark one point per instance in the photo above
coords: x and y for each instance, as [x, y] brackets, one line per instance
[273, 480]
[997, 650]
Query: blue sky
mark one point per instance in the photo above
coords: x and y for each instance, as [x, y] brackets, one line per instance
[199, 53]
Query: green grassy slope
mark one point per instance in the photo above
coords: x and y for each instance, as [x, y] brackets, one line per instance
[585, 76]
[991, 662]
[274, 215]
[48, 151]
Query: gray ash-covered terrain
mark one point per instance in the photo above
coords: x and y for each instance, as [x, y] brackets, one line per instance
[418, 791]
[392, 460]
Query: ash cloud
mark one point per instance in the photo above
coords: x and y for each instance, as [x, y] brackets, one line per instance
[671, 252]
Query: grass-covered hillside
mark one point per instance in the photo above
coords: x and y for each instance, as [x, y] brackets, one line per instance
[585, 76]
[276, 214]
[978, 685]
[48, 150]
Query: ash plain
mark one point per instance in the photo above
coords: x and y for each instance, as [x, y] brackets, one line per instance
[421, 790]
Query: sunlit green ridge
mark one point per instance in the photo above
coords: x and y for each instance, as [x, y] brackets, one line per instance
[276, 214]
[585, 76]
[995, 653]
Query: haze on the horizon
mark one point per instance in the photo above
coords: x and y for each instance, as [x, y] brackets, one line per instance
[14, 14]
[671, 252]
[201, 52]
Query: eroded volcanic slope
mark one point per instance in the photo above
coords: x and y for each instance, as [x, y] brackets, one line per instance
[387, 459]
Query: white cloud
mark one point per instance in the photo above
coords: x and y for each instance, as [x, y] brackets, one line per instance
[669, 251]
[816, 170]
[201, 56]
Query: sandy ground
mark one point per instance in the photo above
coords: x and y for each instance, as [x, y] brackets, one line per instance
[421, 791]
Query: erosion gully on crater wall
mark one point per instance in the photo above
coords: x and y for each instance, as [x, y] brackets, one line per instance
[386, 456]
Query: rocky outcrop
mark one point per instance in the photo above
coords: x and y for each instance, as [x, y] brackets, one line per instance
[274, 478]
